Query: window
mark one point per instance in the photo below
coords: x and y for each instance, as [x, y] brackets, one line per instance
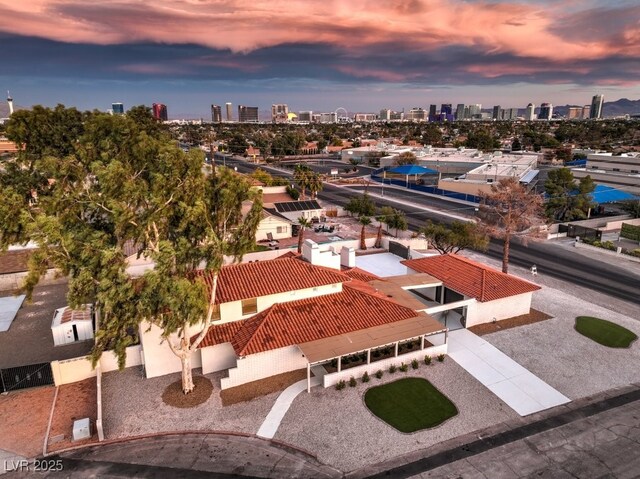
[216, 312]
[281, 229]
[249, 306]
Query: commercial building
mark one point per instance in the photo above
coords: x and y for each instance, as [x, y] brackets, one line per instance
[247, 114]
[586, 112]
[432, 113]
[365, 117]
[229, 108]
[497, 113]
[216, 113]
[279, 113]
[509, 114]
[418, 114]
[617, 171]
[574, 113]
[160, 112]
[460, 112]
[305, 116]
[546, 111]
[475, 112]
[117, 108]
[596, 107]
[331, 117]
[530, 114]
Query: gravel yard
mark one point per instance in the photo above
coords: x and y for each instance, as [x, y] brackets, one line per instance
[573, 364]
[133, 406]
[342, 432]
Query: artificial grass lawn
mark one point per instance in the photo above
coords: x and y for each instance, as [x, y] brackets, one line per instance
[604, 332]
[409, 404]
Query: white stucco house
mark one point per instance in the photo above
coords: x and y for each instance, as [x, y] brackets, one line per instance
[483, 294]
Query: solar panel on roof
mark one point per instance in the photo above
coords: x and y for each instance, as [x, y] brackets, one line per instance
[291, 206]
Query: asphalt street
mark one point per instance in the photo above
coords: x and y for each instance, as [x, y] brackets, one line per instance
[549, 259]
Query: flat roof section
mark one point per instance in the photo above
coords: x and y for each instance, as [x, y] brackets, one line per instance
[399, 295]
[356, 341]
[414, 281]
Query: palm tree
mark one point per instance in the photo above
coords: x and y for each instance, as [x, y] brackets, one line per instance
[382, 217]
[302, 175]
[304, 223]
[364, 221]
[315, 184]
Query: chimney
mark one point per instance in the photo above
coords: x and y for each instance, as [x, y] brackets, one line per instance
[348, 257]
[311, 251]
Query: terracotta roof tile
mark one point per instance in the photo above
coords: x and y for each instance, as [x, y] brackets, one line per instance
[359, 274]
[298, 322]
[262, 278]
[470, 277]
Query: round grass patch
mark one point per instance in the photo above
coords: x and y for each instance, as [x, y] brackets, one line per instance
[173, 395]
[410, 404]
[604, 332]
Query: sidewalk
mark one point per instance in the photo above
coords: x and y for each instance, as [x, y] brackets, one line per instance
[520, 389]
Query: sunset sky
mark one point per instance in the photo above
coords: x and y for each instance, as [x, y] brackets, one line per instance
[318, 55]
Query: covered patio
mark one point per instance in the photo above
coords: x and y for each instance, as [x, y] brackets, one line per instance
[368, 345]
[423, 292]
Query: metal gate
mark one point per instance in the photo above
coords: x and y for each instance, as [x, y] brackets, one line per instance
[581, 231]
[23, 377]
[398, 249]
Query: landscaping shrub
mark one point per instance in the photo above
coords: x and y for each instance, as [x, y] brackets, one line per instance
[345, 360]
[363, 357]
[379, 373]
[630, 232]
[635, 252]
[440, 358]
[352, 382]
[427, 360]
[295, 194]
[387, 350]
[341, 385]
[334, 363]
[392, 368]
[365, 377]
[377, 353]
[415, 364]
[404, 368]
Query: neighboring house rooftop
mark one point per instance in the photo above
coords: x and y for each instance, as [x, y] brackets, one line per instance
[16, 261]
[262, 278]
[471, 278]
[359, 274]
[289, 206]
[297, 322]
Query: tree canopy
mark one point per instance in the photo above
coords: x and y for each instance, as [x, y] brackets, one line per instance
[459, 236]
[568, 200]
[113, 182]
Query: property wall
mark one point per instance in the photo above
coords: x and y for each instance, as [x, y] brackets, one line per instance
[479, 313]
[606, 252]
[616, 225]
[13, 281]
[217, 358]
[264, 365]
[76, 369]
[158, 358]
[358, 371]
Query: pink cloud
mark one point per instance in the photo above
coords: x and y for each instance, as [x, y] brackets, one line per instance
[245, 25]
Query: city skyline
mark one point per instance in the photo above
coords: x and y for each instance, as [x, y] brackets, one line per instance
[362, 56]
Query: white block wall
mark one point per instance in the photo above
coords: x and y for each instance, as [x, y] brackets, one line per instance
[358, 371]
[264, 365]
[217, 358]
[158, 358]
[479, 313]
[77, 369]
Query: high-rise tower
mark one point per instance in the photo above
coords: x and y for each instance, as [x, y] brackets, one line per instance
[10, 102]
[530, 112]
[596, 107]
[229, 107]
[160, 111]
[216, 113]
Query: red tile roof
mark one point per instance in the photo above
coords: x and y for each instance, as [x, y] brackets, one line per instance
[471, 278]
[298, 322]
[359, 274]
[289, 254]
[262, 278]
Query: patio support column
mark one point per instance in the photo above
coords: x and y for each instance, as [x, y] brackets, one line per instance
[339, 363]
[446, 335]
[442, 294]
[368, 356]
[396, 352]
[308, 377]
[422, 342]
